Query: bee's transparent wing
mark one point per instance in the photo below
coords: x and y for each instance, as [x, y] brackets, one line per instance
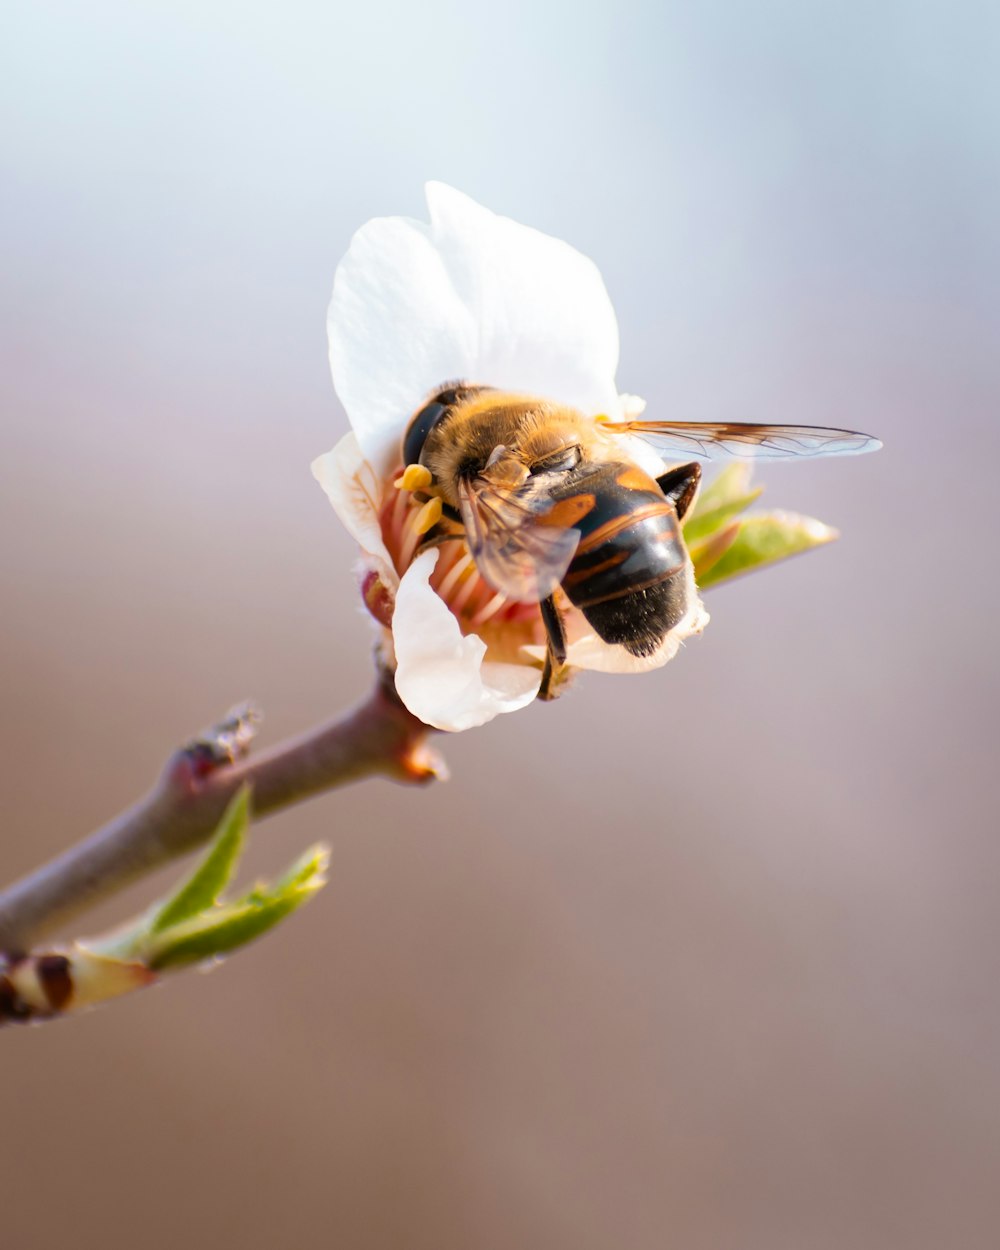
[725, 440]
[515, 551]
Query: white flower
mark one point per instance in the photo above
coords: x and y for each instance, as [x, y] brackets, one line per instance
[479, 298]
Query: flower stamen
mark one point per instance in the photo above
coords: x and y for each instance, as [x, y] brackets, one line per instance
[411, 537]
[398, 512]
[463, 594]
[415, 477]
[491, 609]
[428, 516]
[454, 575]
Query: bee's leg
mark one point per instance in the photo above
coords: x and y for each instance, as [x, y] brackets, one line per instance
[436, 539]
[545, 689]
[554, 631]
[680, 485]
[555, 650]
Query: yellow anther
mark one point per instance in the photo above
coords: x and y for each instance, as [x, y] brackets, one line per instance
[428, 516]
[602, 418]
[415, 477]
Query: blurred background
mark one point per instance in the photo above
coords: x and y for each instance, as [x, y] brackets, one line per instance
[707, 959]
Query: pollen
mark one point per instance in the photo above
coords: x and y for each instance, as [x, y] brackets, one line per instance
[505, 625]
[429, 514]
[415, 477]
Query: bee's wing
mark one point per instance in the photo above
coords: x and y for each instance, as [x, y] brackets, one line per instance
[724, 440]
[515, 550]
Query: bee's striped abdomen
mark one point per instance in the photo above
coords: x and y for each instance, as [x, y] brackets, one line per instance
[628, 574]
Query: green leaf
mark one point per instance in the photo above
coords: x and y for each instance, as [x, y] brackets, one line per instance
[703, 523]
[192, 925]
[727, 485]
[204, 886]
[223, 928]
[764, 539]
[707, 554]
[302, 874]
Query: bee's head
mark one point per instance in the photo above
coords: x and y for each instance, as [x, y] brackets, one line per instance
[439, 406]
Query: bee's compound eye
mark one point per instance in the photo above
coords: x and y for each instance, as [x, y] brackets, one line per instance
[420, 427]
[426, 419]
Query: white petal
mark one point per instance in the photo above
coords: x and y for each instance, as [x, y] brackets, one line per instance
[440, 675]
[631, 447]
[472, 296]
[354, 490]
[585, 650]
[630, 407]
[544, 319]
[397, 329]
[597, 656]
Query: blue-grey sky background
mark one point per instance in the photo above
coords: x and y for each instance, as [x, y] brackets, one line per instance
[722, 972]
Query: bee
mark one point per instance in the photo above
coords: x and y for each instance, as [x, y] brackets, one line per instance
[552, 502]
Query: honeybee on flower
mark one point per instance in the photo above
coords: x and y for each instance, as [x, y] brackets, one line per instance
[517, 519]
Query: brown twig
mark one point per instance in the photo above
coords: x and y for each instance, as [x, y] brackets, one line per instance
[377, 738]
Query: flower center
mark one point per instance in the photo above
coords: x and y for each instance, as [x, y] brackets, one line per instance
[503, 624]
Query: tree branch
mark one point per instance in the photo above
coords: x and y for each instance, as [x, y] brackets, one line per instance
[377, 738]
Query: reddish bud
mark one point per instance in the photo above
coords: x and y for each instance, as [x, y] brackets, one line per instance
[379, 599]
